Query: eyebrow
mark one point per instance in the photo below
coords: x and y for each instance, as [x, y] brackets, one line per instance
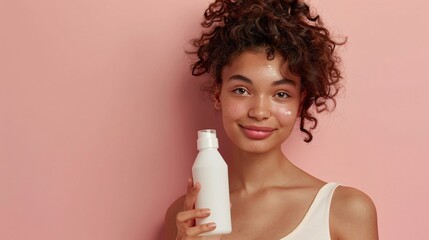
[275, 83]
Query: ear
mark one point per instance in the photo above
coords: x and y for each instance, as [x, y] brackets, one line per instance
[216, 99]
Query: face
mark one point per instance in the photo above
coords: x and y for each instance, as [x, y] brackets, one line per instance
[259, 104]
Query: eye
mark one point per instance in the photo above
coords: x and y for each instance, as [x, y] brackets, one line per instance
[282, 95]
[240, 91]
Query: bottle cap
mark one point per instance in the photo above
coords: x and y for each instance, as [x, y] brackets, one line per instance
[207, 139]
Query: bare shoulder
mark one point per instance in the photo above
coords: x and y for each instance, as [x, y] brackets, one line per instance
[353, 215]
[170, 218]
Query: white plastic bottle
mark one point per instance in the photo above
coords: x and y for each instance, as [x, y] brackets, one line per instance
[211, 171]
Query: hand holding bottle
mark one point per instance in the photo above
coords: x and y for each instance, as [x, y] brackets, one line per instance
[185, 220]
[206, 212]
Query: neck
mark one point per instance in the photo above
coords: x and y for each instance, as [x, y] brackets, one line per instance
[251, 172]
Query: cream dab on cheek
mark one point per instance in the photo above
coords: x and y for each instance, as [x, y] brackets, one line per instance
[283, 112]
[288, 113]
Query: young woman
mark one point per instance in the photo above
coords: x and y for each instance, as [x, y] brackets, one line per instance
[273, 63]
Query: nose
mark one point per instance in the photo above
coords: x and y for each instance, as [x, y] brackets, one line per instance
[260, 109]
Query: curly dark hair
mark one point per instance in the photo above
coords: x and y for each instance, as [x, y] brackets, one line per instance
[285, 27]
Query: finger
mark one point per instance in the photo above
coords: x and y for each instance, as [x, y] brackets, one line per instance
[191, 195]
[184, 217]
[189, 188]
[190, 184]
[203, 228]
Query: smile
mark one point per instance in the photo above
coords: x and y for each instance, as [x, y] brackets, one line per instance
[257, 132]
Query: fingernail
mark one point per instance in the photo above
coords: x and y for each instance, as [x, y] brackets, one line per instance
[211, 225]
[206, 211]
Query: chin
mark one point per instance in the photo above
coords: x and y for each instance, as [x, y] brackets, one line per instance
[255, 146]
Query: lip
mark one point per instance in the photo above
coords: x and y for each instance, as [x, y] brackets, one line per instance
[257, 132]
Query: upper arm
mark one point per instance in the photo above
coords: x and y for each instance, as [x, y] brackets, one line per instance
[353, 215]
[170, 218]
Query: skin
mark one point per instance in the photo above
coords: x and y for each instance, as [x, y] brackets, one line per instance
[256, 93]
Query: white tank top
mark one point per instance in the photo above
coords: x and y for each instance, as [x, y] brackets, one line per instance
[315, 224]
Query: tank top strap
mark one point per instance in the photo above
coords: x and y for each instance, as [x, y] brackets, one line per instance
[315, 224]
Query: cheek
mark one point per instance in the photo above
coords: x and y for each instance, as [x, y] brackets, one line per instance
[233, 110]
[285, 113]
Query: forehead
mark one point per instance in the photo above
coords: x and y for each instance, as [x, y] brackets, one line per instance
[255, 64]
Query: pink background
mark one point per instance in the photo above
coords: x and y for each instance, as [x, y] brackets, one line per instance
[98, 115]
